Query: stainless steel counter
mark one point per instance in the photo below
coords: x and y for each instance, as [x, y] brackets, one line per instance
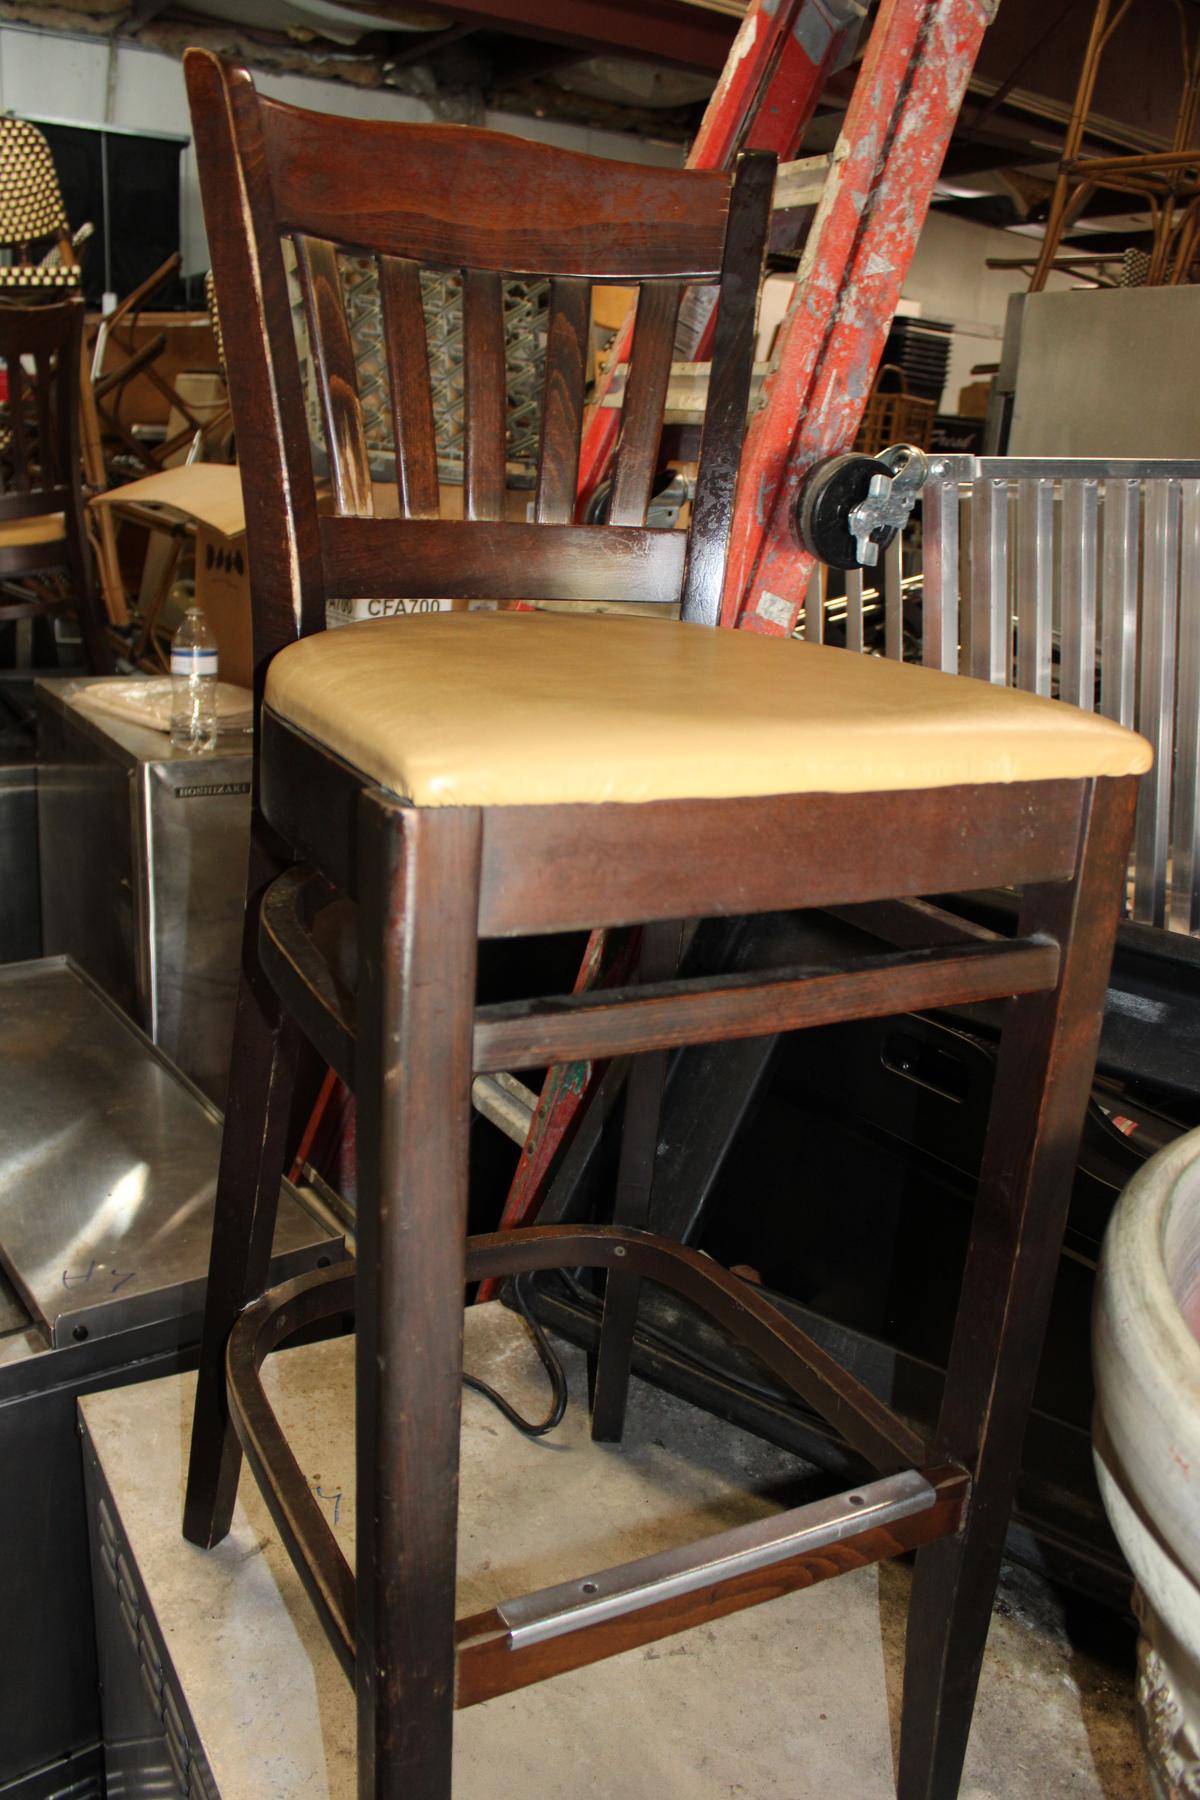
[108, 1163]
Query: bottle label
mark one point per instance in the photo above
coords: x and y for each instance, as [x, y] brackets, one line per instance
[193, 662]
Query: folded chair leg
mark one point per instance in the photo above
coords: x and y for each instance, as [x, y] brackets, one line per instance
[635, 1179]
[261, 1078]
[1042, 1083]
[418, 917]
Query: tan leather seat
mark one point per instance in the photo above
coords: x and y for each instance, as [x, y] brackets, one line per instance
[44, 528]
[506, 709]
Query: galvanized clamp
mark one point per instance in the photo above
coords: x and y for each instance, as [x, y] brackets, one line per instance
[887, 505]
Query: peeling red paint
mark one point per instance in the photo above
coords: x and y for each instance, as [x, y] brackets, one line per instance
[918, 60]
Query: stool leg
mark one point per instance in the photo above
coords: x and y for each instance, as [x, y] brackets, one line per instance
[418, 915]
[635, 1178]
[261, 1075]
[1042, 1083]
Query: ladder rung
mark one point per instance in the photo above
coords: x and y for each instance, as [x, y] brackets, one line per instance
[800, 183]
[687, 391]
[505, 1102]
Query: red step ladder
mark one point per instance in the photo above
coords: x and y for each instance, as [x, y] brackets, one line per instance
[910, 86]
[906, 99]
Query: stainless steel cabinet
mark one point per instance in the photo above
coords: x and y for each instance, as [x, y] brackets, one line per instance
[143, 866]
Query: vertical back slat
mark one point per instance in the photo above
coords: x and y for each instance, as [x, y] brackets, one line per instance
[17, 384]
[485, 403]
[45, 386]
[67, 417]
[728, 387]
[411, 395]
[337, 382]
[645, 396]
[562, 400]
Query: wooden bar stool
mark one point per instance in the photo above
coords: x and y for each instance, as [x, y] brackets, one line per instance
[459, 776]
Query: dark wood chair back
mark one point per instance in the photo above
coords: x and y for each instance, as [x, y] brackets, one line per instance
[486, 206]
[40, 469]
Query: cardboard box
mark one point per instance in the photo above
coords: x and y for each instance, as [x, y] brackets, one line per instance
[205, 498]
[973, 399]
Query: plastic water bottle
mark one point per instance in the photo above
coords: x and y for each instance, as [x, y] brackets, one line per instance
[193, 685]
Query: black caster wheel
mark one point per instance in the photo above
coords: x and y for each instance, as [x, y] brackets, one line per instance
[828, 495]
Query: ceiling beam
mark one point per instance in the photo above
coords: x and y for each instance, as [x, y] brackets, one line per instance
[662, 31]
[426, 45]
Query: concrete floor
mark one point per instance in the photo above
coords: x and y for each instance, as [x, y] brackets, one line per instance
[796, 1699]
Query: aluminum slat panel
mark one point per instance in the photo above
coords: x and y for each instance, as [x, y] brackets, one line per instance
[1185, 827]
[1077, 641]
[854, 609]
[1118, 650]
[990, 654]
[1156, 695]
[1035, 584]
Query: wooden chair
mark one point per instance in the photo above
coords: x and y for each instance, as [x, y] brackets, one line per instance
[504, 773]
[41, 483]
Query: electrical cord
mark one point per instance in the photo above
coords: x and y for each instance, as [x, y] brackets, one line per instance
[694, 1353]
[554, 1369]
[550, 1362]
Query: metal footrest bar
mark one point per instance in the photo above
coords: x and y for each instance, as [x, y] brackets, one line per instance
[496, 1658]
[744, 1549]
